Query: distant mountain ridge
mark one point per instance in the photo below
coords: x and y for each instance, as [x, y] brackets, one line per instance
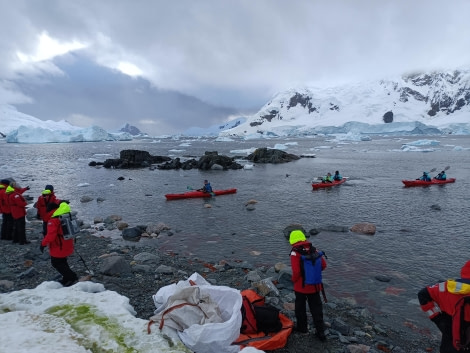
[438, 99]
[134, 131]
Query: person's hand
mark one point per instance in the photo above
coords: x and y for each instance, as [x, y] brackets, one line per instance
[66, 201]
[27, 188]
[41, 249]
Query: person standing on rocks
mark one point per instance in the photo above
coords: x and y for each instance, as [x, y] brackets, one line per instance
[305, 292]
[17, 204]
[7, 221]
[47, 196]
[439, 302]
[59, 247]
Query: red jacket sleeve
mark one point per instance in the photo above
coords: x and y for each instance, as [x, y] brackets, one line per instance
[52, 232]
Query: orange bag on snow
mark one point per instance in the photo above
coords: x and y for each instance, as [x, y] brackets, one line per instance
[261, 340]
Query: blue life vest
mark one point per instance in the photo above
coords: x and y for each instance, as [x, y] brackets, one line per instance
[310, 265]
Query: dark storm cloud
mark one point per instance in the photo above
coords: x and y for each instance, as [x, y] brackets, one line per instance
[111, 99]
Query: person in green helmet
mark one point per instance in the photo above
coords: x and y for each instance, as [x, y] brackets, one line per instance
[17, 204]
[59, 248]
[47, 197]
[307, 284]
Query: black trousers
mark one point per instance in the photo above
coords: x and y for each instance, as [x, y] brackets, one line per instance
[19, 230]
[7, 226]
[316, 309]
[44, 228]
[62, 266]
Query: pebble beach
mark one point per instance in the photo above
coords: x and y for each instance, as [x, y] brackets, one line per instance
[137, 270]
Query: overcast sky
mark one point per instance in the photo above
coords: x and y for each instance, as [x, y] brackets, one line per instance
[226, 53]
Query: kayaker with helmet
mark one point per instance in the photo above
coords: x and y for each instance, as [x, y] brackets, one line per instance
[425, 177]
[441, 176]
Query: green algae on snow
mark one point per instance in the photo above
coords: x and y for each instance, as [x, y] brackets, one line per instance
[105, 334]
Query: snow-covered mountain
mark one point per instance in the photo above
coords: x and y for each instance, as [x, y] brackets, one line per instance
[214, 130]
[427, 103]
[437, 102]
[22, 128]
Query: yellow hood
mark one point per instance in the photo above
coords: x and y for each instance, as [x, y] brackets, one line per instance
[63, 209]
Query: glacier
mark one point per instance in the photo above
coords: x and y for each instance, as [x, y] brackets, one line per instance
[28, 134]
[18, 127]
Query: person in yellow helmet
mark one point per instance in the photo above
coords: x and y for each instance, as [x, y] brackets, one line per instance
[47, 197]
[7, 220]
[17, 204]
[59, 248]
[307, 283]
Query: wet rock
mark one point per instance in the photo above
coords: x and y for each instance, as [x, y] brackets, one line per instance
[271, 155]
[382, 278]
[132, 234]
[134, 159]
[30, 272]
[314, 231]
[364, 228]
[121, 225]
[165, 270]
[85, 199]
[294, 226]
[115, 266]
[146, 258]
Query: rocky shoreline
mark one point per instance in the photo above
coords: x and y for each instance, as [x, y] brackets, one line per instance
[137, 270]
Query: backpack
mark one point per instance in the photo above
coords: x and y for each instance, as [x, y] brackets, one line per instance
[310, 264]
[461, 325]
[70, 227]
[255, 314]
[258, 316]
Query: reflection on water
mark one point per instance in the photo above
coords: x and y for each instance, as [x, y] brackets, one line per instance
[414, 245]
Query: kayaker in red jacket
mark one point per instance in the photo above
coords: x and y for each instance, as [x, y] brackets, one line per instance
[59, 248]
[47, 196]
[438, 302]
[7, 220]
[305, 292]
[17, 205]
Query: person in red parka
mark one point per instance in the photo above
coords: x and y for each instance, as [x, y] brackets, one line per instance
[305, 293]
[59, 247]
[47, 196]
[438, 302]
[17, 204]
[7, 221]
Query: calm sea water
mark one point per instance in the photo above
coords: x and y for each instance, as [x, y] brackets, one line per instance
[415, 244]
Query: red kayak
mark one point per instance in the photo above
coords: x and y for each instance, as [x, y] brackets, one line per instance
[426, 183]
[196, 193]
[328, 185]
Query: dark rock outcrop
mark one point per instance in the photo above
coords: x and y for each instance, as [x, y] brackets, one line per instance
[268, 155]
[134, 159]
[211, 160]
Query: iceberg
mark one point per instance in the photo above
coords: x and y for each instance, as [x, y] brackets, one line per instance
[30, 134]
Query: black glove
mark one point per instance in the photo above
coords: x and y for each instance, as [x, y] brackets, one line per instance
[66, 201]
[443, 322]
[27, 188]
[41, 249]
